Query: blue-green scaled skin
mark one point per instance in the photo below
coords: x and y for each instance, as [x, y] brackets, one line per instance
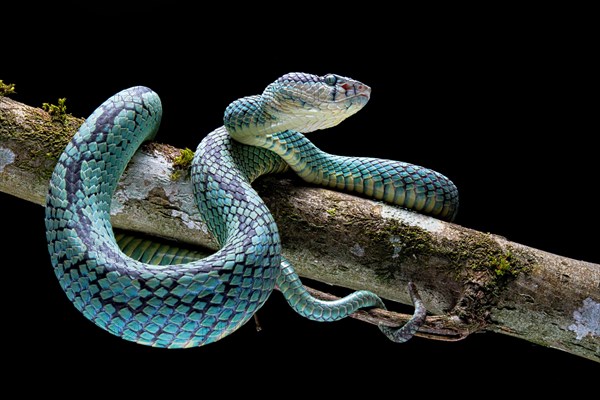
[160, 302]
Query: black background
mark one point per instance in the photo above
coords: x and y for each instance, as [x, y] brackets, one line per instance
[499, 100]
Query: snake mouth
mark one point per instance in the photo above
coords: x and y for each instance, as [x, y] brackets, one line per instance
[361, 97]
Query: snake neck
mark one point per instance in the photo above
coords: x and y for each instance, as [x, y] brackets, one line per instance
[250, 120]
[257, 121]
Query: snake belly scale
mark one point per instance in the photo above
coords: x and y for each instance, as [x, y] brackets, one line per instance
[189, 304]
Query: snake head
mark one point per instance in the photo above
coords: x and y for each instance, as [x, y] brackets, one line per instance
[296, 101]
[309, 102]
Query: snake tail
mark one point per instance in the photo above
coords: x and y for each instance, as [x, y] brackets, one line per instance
[408, 330]
[315, 309]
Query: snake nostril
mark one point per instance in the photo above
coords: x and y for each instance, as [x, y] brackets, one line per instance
[363, 90]
[357, 88]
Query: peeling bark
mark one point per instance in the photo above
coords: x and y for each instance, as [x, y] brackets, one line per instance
[473, 281]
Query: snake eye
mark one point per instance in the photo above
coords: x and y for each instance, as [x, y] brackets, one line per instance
[330, 79]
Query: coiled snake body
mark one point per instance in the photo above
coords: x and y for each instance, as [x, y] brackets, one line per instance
[199, 302]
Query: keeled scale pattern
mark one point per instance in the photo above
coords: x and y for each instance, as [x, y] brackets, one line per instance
[171, 306]
[396, 182]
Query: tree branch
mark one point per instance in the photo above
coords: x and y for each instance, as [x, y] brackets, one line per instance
[473, 281]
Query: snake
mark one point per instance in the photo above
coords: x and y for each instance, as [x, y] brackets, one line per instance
[183, 303]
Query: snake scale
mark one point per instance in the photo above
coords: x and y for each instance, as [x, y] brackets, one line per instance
[187, 303]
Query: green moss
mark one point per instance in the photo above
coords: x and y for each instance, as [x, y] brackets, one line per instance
[6, 89]
[480, 252]
[184, 160]
[503, 265]
[175, 175]
[57, 112]
[182, 163]
[331, 211]
[406, 242]
[483, 268]
[45, 137]
[477, 262]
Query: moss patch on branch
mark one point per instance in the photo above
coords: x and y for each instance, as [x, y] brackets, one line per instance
[475, 261]
[6, 89]
[57, 112]
[483, 268]
[45, 138]
[182, 163]
[479, 252]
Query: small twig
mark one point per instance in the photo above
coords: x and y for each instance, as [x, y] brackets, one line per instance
[257, 324]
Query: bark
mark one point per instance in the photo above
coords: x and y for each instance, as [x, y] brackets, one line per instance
[469, 281]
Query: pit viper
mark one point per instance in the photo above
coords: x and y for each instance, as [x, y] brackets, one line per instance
[198, 302]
